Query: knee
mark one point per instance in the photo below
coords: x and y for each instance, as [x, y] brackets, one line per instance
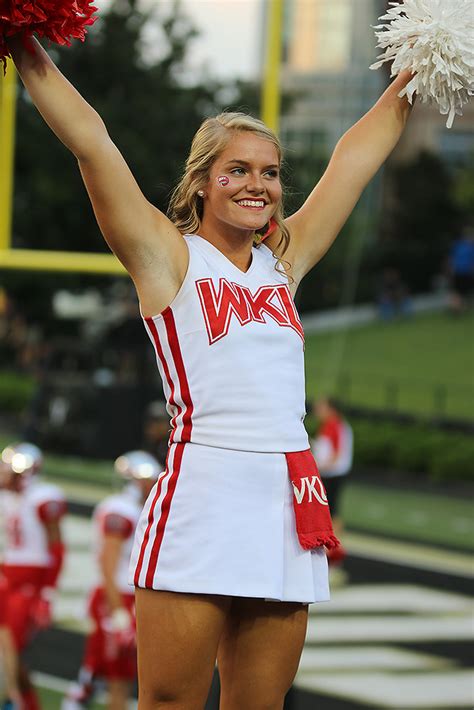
[165, 699]
[268, 699]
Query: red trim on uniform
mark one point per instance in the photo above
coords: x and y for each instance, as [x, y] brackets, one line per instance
[24, 575]
[57, 550]
[146, 536]
[173, 341]
[165, 509]
[117, 525]
[185, 436]
[332, 430]
[159, 351]
[51, 511]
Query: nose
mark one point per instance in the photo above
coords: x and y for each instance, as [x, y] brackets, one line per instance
[255, 184]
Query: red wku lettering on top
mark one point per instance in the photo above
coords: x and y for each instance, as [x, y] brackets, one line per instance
[234, 299]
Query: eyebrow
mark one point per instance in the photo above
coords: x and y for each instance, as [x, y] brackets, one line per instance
[246, 164]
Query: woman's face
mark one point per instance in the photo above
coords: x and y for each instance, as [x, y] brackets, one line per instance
[244, 187]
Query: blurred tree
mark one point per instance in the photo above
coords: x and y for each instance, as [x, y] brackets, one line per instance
[133, 78]
[420, 219]
[149, 114]
[463, 191]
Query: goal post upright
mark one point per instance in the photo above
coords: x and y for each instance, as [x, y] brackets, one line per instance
[271, 94]
[8, 84]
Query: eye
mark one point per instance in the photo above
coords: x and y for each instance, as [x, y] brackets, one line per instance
[238, 171]
[272, 173]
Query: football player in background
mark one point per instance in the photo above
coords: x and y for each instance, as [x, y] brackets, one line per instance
[333, 450]
[110, 653]
[33, 556]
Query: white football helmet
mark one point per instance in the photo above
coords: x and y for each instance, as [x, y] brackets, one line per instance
[137, 466]
[22, 458]
[19, 463]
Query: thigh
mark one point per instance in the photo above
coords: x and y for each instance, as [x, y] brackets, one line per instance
[177, 639]
[18, 617]
[259, 653]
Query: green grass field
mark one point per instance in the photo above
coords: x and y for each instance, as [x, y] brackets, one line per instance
[51, 700]
[411, 515]
[429, 359]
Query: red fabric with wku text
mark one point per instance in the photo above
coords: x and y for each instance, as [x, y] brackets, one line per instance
[310, 503]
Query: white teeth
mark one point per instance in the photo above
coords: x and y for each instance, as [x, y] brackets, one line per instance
[252, 203]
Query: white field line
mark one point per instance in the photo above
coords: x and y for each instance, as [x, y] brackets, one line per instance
[59, 685]
[410, 554]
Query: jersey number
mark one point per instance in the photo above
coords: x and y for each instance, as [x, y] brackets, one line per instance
[14, 532]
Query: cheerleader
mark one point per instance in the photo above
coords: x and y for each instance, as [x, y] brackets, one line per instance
[230, 547]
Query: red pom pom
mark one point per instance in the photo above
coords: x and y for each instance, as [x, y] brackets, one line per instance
[60, 21]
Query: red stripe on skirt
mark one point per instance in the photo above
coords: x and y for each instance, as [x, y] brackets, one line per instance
[165, 510]
[146, 536]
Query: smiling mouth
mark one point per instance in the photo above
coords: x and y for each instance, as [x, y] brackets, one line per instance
[252, 204]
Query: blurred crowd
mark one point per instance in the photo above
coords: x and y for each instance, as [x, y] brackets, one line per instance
[456, 278]
[21, 342]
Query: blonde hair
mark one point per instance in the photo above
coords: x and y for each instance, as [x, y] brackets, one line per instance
[186, 207]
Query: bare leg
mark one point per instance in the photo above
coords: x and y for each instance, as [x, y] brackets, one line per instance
[9, 665]
[177, 640]
[259, 653]
[118, 694]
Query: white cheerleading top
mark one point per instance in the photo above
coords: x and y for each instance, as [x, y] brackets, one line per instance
[118, 514]
[26, 535]
[230, 351]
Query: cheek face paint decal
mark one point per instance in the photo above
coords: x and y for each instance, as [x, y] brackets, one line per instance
[223, 180]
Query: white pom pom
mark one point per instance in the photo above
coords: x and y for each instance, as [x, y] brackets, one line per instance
[434, 39]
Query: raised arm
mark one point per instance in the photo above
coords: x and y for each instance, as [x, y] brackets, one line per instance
[355, 160]
[142, 237]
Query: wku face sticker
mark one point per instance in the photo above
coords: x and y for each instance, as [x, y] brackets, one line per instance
[223, 180]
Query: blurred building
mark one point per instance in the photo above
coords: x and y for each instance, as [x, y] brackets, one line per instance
[328, 48]
[427, 130]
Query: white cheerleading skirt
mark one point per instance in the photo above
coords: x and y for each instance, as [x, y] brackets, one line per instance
[220, 521]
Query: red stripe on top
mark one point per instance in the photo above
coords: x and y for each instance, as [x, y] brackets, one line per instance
[159, 351]
[165, 510]
[146, 536]
[180, 369]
